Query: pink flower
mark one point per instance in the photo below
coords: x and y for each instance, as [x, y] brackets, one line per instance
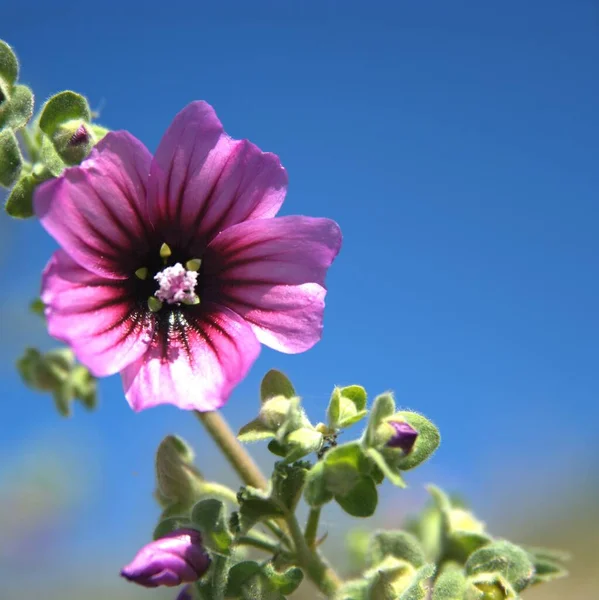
[173, 268]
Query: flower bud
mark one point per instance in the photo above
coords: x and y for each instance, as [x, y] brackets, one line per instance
[274, 412]
[73, 141]
[403, 436]
[177, 558]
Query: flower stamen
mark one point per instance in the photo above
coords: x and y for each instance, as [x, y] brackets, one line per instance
[177, 285]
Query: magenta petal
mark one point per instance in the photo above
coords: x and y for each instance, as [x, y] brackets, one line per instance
[97, 211]
[272, 272]
[95, 316]
[195, 362]
[202, 181]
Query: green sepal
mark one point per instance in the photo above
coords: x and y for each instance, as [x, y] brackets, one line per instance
[505, 558]
[302, 442]
[277, 448]
[398, 544]
[240, 577]
[170, 524]
[11, 161]
[288, 483]
[99, 131]
[316, 493]
[382, 408]
[210, 517]
[450, 585]
[427, 442]
[418, 590]
[346, 406]
[392, 474]
[286, 581]
[84, 386]
[9, 64]
[361, 500]
[490, 586]
[63, 107]
[19, 203]
[177, 478]
[354, 589]
[274, 384]
[50, 157]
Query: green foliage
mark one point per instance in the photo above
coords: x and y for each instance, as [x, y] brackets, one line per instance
[450, 585]
[11, 161]
[9, 64]
[398, 544]
[19, 203]
[170, 524]
[427, 442]
[61, 108]
[347, 406]
[506, 559]
[57, 372]
[251, 580]
[18, 109]
[275, 384]
[210, 517]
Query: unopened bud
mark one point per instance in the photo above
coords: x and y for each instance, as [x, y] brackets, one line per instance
[273, 412]
[73, 141]
[404, 436]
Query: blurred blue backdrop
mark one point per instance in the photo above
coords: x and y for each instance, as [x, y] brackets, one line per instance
[456, 143]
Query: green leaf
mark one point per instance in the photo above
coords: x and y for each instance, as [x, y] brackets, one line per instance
[277, 448]
[355, 393]
[210, 517]
[301, 442]
[427, 442]
[65, 106]
[361, 500]
[398, 544]
[346, 422]
[50, 157]
[344, 466]
[382, 408]
[288, 482]
[19, 203]
[255, 431]
[240, 575]
[346, 406]
[169, 525]
[20, 109]
[284, 581]
[257, 505]
[84, 386]
[274, 384]
[353, 590]
[392, 474]
[316, 492]
[37, 307]
[11, 161]
[9, 64]
[418, 590]
[505, 558]
[548, 563]
[450, 585]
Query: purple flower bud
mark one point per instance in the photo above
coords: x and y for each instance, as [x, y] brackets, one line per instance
[81, 136]
[404, 436]
[176, 558]
[185, 593]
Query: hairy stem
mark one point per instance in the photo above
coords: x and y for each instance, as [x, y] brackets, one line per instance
[260, 542]
[312, 528]
[234, 452]
[314, 565]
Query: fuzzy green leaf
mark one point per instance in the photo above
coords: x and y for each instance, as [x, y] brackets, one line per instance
[256, 505]
[170, 524]
[316, 492]
[398, 544]
[19, 203]
[361, 500]
[274, 384]
[288, 482]
[65, 106]
[255, 431]
[382, 408]
[505, 558]
[344, 466]
[392, 474]
[210, 517]
[9, 64]
[11, 161]
[20, 109]
[450, 585]
[427, 442]
[418, 590]
[50, 157]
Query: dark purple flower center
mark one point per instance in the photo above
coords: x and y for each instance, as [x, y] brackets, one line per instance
[81, 136]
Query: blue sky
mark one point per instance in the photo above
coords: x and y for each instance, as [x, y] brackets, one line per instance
[455, 143]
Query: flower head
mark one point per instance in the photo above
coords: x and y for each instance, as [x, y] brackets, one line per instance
[171, 560]
[173, 268]
[404, 436]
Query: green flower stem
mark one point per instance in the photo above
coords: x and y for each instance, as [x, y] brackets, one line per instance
[312, 528]
[220, 574]
[278, 532]
[315, 567]
[261, 542]
[234, 452]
